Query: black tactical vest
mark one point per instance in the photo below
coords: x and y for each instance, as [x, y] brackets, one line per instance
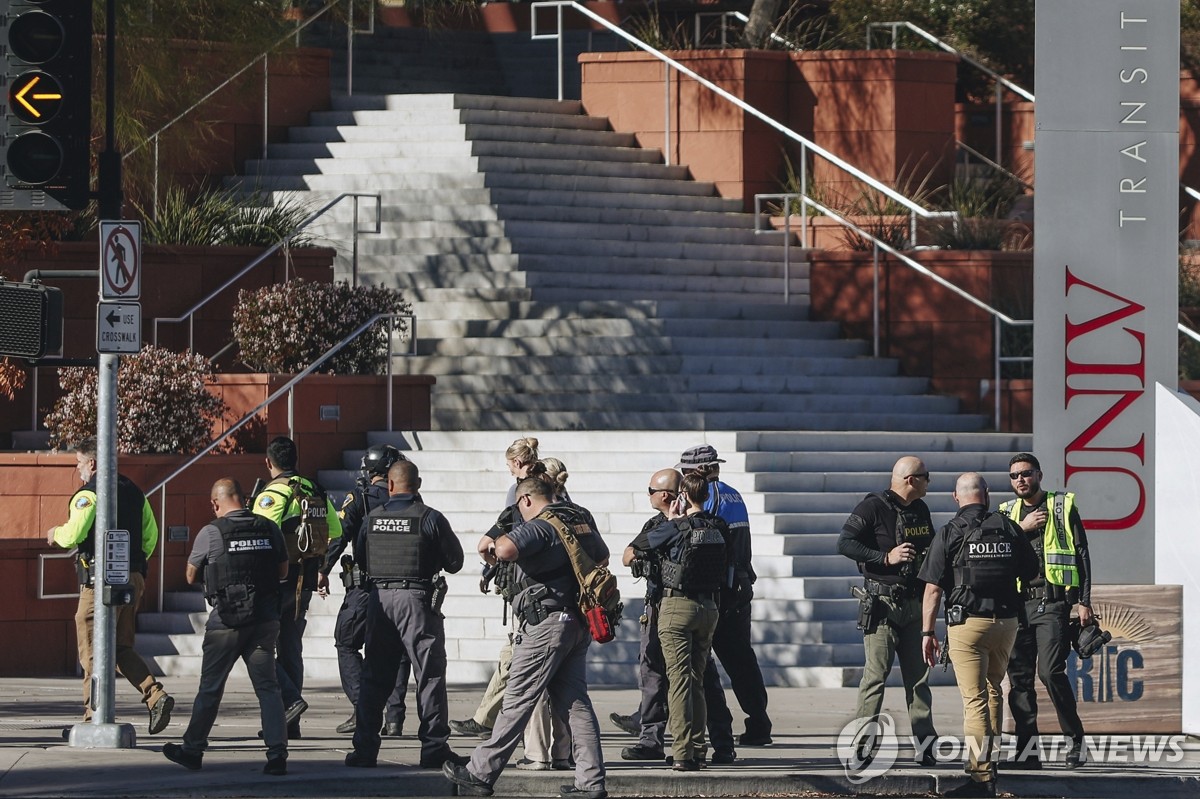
[697, 562]
[130, 504]
[245, 576]
[394, 549]
[985, 569]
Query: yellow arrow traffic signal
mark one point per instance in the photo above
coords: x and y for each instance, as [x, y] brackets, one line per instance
[34, 81]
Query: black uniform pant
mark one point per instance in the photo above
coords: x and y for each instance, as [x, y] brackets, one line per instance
[349, 635]
[652, 679]
[401, 620]
[1042, 649]
[289, 652]
[255, 645]
[732, 646]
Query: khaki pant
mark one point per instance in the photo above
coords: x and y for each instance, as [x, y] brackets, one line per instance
[129, 663]
[979, 650]
[685, 630]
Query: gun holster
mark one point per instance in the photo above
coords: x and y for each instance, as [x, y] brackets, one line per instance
[83, 569]
[870, 610]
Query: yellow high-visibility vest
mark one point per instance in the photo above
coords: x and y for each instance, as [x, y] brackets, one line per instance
[1058, 539]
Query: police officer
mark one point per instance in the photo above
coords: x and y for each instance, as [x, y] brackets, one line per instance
[350, 631]
[79, 531]
[650, 721]
[550, 648]
[975, 561]
[1051, 522]
[405, 544]
[242, 560]
[309, 521]
[694, 561]
[731, 642]
[887, 535]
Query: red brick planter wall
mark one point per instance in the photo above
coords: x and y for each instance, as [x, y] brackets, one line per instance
[930, 329]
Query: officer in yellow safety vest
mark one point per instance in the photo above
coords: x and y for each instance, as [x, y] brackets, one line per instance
[1052, 522]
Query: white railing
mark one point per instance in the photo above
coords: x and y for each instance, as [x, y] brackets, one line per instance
[877, 246]
[915, 210]
[155, 138]
[723, 18]
[289, 389]
[190, 314]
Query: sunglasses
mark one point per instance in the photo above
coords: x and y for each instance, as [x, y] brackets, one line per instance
[1027, 473]
[652, 491]
[922, 475]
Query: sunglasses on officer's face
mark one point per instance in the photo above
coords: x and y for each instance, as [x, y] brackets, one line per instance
[1026, 473]
[652, 491]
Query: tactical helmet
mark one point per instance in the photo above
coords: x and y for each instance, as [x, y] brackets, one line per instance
[379, 458]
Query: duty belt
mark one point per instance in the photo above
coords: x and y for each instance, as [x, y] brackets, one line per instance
[1049, 593]
[696, 595]
[426, 585]
[897, 592]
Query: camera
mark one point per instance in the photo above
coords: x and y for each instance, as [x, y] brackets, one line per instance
[955, 615]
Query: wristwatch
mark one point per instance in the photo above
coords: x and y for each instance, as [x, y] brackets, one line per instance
[928, 633]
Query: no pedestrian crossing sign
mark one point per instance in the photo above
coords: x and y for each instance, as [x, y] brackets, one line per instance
[120, 260]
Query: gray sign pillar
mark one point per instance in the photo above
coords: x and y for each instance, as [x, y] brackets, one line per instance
[1105, 262]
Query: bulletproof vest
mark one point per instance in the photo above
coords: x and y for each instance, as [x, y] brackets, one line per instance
[986, 565]
[130, 504]
[394, 549]
[697, 562]
[306, 532]
[913, 526]
[247, 571]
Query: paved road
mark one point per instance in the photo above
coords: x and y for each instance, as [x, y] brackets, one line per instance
[35, 762]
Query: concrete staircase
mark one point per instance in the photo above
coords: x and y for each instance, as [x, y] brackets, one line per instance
[563, 278]
[799, 488]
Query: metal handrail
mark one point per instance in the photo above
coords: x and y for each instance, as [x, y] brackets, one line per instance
[1187, 331]
[275, 395]
[1008, 173]
[740, 17]
[41, 574]
[915, 209]
[189, 314]
[878, 245]
[155, 137]
[1001, 81]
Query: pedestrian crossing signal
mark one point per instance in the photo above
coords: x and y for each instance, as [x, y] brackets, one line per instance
[33, 320]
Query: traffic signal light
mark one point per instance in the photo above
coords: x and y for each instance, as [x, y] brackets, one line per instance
[47, 48]
[32, 319]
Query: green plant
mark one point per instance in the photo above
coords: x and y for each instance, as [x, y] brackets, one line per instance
[884, 218]
[163, 400]
[225, 217]
[982, 205]
[285, 327]
[657, 32]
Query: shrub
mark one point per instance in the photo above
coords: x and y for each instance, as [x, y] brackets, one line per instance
[285, 327]
[225, 218]
[163, 404]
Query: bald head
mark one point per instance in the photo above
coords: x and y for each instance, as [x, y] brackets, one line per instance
[971, 489]
[910, 478]
[403, 478]
[226, 496]
[664, 487]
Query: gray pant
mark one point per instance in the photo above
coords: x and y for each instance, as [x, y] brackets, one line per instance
[898, 634]
[551, 656]
[401, 620]
[255, 645]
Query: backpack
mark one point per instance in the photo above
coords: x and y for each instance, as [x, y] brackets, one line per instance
[599, 595]
[306, 535]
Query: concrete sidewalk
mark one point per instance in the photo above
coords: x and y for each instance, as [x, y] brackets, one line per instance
[35, 762]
